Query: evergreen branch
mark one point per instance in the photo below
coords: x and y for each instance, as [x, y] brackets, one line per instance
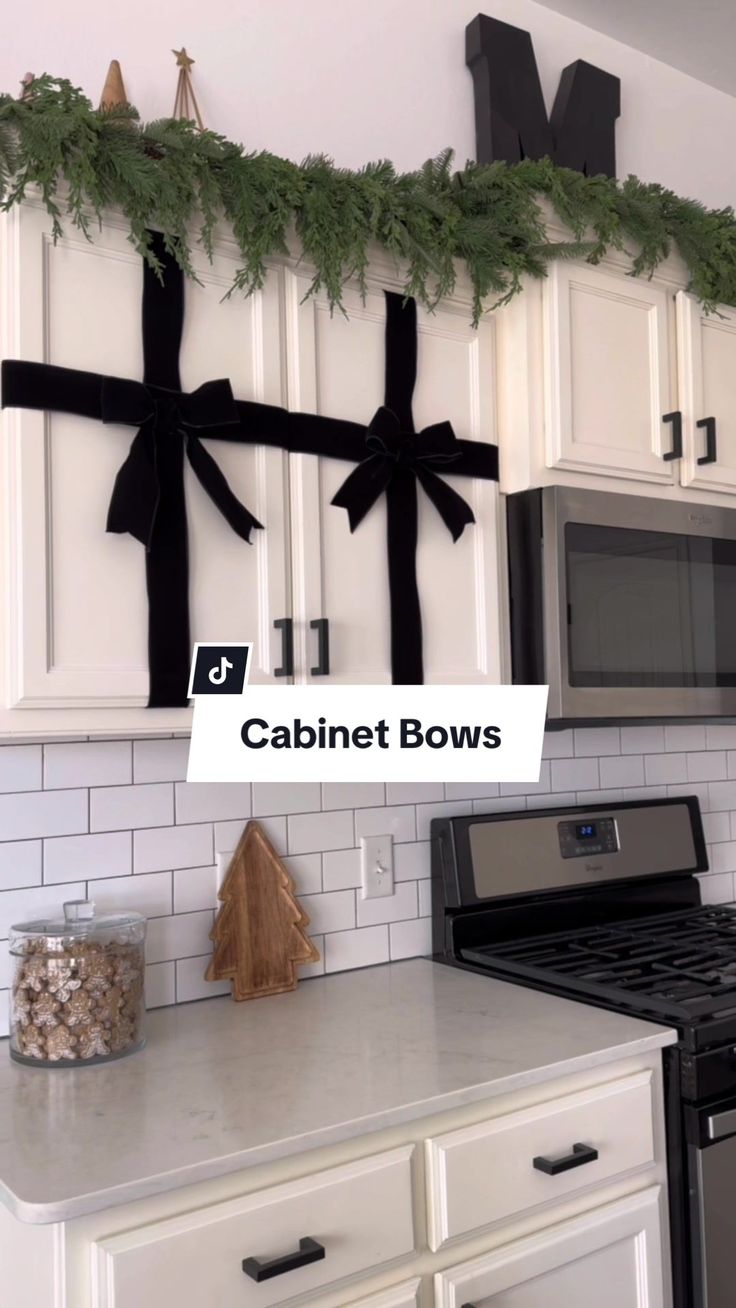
[169, 175]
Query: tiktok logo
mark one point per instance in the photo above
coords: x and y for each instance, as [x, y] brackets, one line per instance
[219, 669]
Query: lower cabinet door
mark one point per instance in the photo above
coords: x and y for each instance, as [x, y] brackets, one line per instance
[405, 1295]
[610, 1257]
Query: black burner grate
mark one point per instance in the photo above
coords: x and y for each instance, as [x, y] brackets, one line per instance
[679, 965]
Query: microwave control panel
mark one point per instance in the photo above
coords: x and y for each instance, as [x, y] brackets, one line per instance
[593, 836]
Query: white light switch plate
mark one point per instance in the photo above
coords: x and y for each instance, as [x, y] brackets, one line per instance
[377, 866]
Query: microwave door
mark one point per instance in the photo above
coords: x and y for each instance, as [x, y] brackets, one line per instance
[630, 609]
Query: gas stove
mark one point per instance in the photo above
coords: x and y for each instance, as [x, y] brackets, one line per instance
[602, 904]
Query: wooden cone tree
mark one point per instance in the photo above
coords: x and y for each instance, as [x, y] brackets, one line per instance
[259, 933]
[113, 92]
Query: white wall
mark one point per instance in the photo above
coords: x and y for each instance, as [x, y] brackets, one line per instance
[361, 80]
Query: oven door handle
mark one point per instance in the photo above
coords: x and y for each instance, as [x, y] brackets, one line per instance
[717, 1125]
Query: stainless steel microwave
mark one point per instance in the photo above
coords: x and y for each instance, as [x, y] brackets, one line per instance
[624, 605]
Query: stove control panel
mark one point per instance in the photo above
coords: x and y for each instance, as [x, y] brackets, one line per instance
[590, 836]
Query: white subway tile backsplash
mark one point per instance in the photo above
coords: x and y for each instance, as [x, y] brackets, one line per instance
[20, 767]
[398, 821]
[592, 742]
[195, 888]
[665, 769]
[89, 763]
[306, 869]
[361, 948]
[312, 832]
[34, 902]
[71, 858]
[43, 813]
[157, 849]
[120, 808]
[626, 770]
[682, 739]
[160, 985]
[471, 790]
[182, 936]
[21, 862]
[710, 765]
[4, 1013]
[558, 744]
[642, 740]
[575, 774]
[341, 868]
[402, 904]
[352, 794]
[211, 801]
[330, 912]
[412, 862]
[5, 964]
[190, 982]
[410, 939]
[149, 894]
[45, 833]
[160, 760]
[414, 792]
[278, 797]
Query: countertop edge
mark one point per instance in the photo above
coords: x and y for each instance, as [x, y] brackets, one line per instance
[39, 1214]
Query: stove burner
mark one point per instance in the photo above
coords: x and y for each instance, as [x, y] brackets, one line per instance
[681, 964]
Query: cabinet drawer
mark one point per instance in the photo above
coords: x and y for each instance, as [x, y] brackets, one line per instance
[361, 1214]
[482, 1174]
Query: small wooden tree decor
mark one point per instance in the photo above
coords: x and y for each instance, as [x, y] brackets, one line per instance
[185, 101]
[259, 933]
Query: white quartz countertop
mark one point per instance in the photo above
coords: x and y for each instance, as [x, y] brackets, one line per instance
[223, 1086]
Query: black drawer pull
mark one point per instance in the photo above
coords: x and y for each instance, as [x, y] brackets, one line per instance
[580, 1155]
[676, 419]
[310, 1251]
[322, 627]
[286, 627]
[711, 449]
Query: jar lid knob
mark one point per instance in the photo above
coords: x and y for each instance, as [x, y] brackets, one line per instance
[79, 910]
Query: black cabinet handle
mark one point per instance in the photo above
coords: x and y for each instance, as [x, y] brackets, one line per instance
[286, 627]
[310, 1251]
[676, 419]
[711, 449]
[580, 1155]
[322, 627]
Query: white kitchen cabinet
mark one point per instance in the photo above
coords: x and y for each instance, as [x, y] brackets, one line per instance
[338, 369]
[609, 373]
[73, 607]
[74, 597]
[707, 373]
[610, 1257]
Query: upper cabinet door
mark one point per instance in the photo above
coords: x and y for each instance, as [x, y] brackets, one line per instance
[707, 374]
[337, 368]
[609, 373]
[75, 599]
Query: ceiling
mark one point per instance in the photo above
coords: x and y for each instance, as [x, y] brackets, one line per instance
[696, 36]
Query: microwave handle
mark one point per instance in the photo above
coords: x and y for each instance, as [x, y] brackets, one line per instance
[711, 448]
[676, 419]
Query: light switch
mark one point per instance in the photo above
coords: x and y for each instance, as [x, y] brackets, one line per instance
[377, 866]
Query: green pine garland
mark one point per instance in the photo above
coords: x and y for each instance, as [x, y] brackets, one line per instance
[168, 175]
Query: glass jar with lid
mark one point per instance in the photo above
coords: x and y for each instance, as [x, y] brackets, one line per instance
[77, 987]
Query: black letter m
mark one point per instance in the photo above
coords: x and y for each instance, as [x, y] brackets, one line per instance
[510, 116]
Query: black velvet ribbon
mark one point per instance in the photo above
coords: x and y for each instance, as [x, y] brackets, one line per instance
[396, 459]
[163, 414]
[148, 495]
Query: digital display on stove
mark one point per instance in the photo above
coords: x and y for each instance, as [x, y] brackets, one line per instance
[586, 831]
[580, 839]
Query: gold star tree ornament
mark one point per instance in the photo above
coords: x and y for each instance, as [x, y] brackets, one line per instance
[185, 102]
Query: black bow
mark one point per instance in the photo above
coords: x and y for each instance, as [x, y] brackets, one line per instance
[391, 448]
[160, 414]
